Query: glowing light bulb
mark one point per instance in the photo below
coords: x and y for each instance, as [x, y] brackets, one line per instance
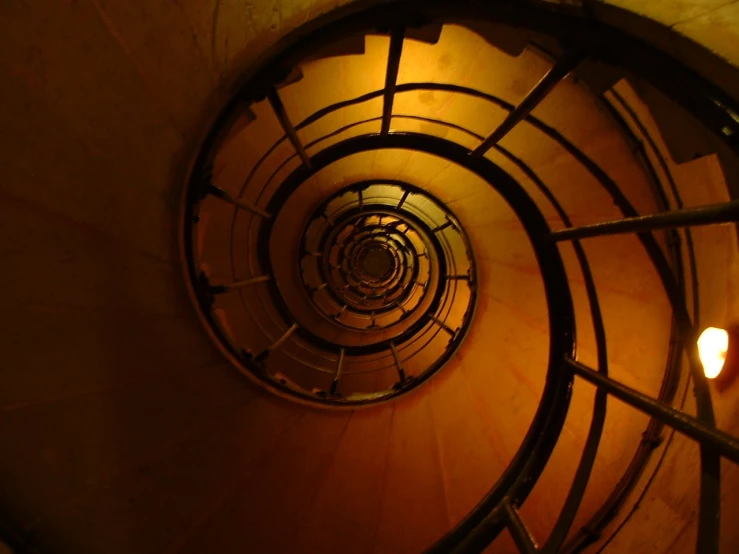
[713, 344]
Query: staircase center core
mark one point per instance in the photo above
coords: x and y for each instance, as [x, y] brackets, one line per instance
[376, 262]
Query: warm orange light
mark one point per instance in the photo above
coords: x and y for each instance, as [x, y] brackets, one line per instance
[713, 344]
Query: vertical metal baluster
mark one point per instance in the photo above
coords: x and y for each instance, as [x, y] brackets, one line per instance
[393, 63]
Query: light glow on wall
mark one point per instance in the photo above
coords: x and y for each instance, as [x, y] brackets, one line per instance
[713, 344]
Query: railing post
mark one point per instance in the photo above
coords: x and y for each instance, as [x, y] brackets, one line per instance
[559, 71]
[393, 64]
[337, 375]
[399, 366]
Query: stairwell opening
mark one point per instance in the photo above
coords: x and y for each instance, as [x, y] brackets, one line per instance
[325, 238]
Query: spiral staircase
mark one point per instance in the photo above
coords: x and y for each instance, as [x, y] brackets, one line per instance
[385, 277]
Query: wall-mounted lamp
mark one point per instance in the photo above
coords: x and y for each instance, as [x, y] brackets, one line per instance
[713, 345]
[717, 349]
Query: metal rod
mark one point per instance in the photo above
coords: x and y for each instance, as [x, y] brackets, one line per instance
[223, 195]
[723, 443]
[320, 287]
[401, 371]
[402, 201]
[521, 535]
[275, 345]
[559, 71]
[246, 282]
[442, 325]
[337, 375]
[727, 212]
[458, 277]
[287, 126]
[391, 77]
[361, 199]
[442, 226]
[342, 310]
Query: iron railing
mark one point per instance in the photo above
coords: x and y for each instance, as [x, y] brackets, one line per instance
[499, 509]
